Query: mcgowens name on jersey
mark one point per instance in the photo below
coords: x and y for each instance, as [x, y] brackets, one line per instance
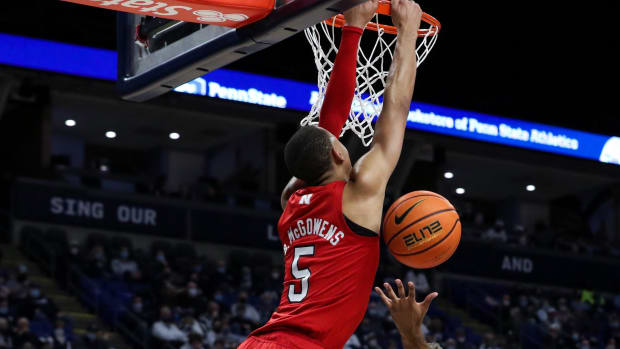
[315, 226]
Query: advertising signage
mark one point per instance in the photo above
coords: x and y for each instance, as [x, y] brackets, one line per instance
[287, 94]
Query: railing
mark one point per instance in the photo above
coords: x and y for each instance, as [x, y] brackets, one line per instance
[132, 327]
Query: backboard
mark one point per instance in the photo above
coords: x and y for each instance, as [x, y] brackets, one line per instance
[156, 55]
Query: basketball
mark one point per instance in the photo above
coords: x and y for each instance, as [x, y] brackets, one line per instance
[421, 229]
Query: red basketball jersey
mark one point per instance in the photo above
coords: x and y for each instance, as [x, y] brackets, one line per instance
[330, 266]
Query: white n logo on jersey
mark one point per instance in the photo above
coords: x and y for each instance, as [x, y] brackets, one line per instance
[305, 200]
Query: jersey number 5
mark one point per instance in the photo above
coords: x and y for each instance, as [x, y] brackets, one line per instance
[300, 274]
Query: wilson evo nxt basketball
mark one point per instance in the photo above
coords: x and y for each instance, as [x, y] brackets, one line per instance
[422, 229]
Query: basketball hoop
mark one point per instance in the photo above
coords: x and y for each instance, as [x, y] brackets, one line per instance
[372, 66]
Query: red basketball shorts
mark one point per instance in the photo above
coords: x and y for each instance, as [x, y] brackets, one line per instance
[257, 343]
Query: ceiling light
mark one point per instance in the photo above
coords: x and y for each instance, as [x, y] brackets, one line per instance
[174, 135]
[110, 134]
[104, 168]
[530, 187]
[69, 122]
[460, 191]
[448, 175]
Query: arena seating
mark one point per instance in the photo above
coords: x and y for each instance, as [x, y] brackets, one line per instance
[216, 302]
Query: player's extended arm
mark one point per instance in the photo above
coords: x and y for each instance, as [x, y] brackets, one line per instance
[375, 168]
[342, 80]
[407, 314]
[341, 87]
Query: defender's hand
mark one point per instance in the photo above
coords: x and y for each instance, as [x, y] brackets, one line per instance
[361, 14]
[406, 312]
[406, 16]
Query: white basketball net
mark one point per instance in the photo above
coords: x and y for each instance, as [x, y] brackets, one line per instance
[372, 71]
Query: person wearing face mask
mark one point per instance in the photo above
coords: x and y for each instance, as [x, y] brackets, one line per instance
[166, 330]
[123, 265]
[138, 308]
[245, 311]
[5, 310]
[36, 300]
[97, 262]
[6, 337]
[22, 335]
[191, 298]
[160, 259]
[461, 339]
[60, 336]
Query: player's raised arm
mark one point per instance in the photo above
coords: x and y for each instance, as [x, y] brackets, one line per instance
[341, 87]
[342, 80]
[375, 168]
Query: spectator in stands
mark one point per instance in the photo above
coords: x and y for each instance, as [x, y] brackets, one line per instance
[195, 342]
[611, 343]
[160, 260]
[138, 308]
[212, 313]
[191, 298]
[22, 273]
[246, 278]
[488, 341]
[221, 276]
[189, 326]
[5, 310]
[60, 336]
[496, 232]
[13, 284]
[244, 310]
[376, 309]
[94, 338]
[23, 335]
[37, 300]
[124, 266]
[422, 287]
[219, 344]
[269, 300]
[6, 337]
[461, 339]
[353, 343]
[166, 330]
[210, 336]
[165, 285]
[96, 262]
[521, 236]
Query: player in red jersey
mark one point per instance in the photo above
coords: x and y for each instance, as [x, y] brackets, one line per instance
[333, 210]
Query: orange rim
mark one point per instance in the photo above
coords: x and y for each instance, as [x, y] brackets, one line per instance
[385, 8]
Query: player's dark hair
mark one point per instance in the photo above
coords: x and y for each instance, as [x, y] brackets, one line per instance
[308, 154]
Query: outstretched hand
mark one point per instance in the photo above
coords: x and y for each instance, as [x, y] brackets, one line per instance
[361, 14]
[406, 312]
